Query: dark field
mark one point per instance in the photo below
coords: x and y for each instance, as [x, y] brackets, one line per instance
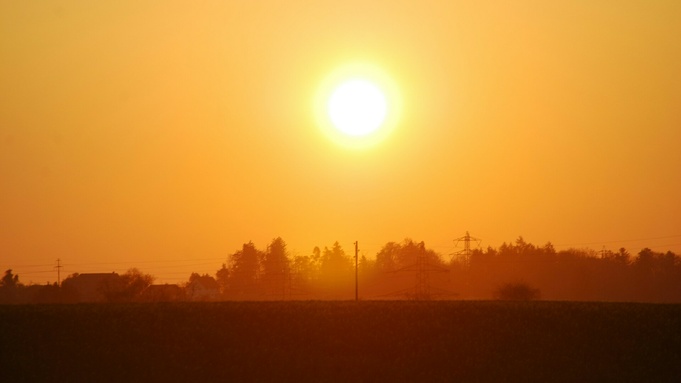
[342, 341]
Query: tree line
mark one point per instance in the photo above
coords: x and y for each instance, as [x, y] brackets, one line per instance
[399, 270]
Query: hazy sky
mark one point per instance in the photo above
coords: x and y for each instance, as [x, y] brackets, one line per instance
[165, 134]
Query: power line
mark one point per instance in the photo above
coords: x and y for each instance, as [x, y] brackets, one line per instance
[422, 289]
[466, 252]
[37, 272]
[145, 262]
[619, 241]
[31, 266]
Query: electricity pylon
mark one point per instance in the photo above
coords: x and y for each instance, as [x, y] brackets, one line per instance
[422, 290]
[466, 252]
[58, 267]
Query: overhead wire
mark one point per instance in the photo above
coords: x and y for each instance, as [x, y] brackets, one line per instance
[619, 241]
[166, 264]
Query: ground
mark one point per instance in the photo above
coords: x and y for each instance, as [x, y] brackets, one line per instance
[342, 341]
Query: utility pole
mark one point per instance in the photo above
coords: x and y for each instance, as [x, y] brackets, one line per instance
[58, 267]
[356, 271]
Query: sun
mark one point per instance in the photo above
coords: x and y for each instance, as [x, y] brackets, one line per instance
[357, 106]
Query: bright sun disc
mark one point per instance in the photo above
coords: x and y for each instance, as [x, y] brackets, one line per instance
[357, 107]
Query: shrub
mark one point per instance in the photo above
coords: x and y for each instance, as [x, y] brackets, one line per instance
[516, 291]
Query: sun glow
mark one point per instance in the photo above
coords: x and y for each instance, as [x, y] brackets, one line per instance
[357, 106]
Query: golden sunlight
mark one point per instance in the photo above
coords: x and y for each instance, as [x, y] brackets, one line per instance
[357, 106]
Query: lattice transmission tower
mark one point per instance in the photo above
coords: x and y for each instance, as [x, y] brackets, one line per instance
[422, 276]
[58, 267]
[422, 290]
[465, 254]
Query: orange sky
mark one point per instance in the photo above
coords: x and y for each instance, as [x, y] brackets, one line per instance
[163, 135]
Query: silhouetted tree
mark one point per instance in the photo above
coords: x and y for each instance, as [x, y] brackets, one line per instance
[518, 291]
[367, 275]
[127, 287]
[9, 288]
[135, 282]
[316, 256]
[395, 272]
[9, 280]
[657, 276]
[244, 272]
[275, 269]
[222, 278]
[366, 266]
[336, 270]
[53, 293]
[386, 258]
[644, 273]
[548, 249]
[305, 272]
[622, 256]
[645, 261]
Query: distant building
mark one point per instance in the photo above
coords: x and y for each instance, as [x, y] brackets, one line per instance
[202, 288]
[92, 287]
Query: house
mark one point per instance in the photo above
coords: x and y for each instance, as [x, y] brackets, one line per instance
[202, 288]
[92, 287]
